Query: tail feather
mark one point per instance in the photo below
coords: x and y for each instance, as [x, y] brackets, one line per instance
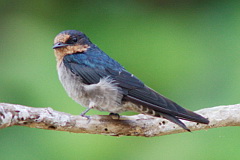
[174, 120]
[170, 114]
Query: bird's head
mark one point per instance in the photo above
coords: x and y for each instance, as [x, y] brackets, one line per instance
[70, 42]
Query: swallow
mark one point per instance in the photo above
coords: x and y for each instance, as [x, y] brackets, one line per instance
[96, 81]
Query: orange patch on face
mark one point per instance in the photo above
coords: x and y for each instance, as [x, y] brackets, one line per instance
[61, 38]
[61, 52]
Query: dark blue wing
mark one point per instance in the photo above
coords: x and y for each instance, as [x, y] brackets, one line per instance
[92, 72]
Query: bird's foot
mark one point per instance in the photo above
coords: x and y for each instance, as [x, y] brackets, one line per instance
[83, 114]
[114, 116]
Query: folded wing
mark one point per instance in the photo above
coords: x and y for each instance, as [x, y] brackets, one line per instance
[135, 91]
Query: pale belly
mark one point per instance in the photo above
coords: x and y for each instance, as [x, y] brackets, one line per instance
[103, 96]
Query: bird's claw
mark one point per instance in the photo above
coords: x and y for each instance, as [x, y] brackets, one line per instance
[114, 116]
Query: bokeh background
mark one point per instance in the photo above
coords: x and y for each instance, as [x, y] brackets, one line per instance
[186, 49]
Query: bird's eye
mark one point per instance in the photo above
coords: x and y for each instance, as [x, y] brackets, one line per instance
[74, 39]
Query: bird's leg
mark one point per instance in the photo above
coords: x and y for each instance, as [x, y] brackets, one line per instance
[84, 112]
[91, 105]
[114, 116]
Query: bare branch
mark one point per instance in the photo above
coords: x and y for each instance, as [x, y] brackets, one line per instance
[138, 125]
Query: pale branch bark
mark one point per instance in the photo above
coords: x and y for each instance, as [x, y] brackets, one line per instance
[137, 125]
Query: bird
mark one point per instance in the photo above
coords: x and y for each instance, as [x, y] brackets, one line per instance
[96, 81]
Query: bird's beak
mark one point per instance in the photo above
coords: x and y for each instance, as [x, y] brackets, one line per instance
[59, 45]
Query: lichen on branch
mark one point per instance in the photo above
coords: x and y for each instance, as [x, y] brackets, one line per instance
[137, 125]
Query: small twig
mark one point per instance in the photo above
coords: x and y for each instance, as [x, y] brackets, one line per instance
[138, 125]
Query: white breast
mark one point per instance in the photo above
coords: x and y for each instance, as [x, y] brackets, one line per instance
[71, 83]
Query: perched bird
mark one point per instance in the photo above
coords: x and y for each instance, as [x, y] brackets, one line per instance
[96, 81]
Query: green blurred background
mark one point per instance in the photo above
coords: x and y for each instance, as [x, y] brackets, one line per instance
[188, 50]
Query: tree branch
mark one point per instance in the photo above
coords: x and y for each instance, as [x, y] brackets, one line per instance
[137, 125]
